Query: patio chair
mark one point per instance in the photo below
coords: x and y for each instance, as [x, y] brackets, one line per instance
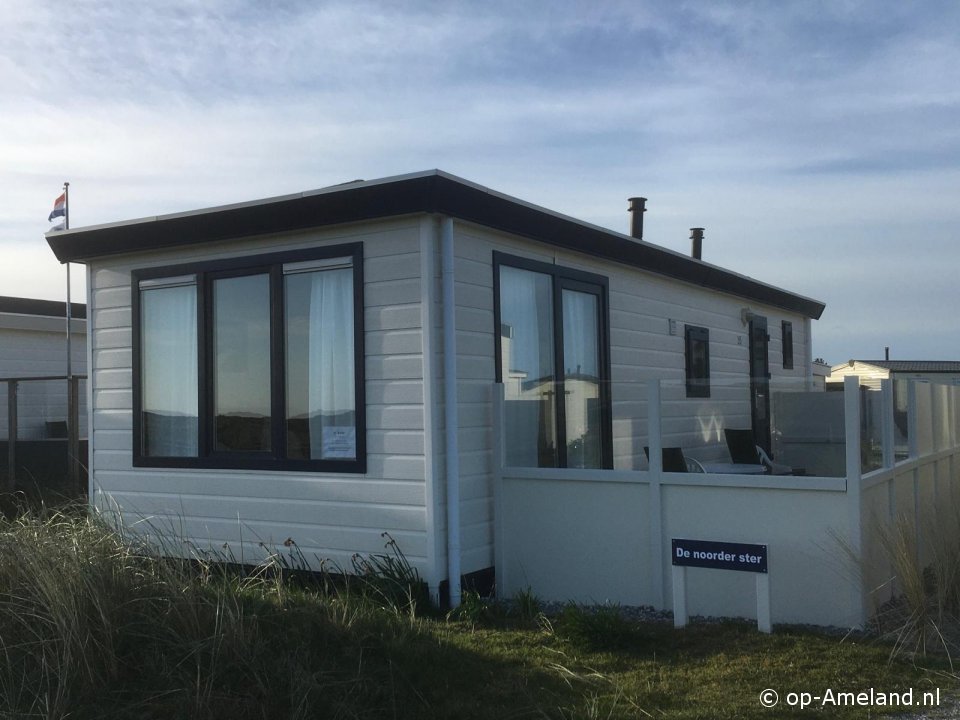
[673, 460]
[744, 450]
[772, 467]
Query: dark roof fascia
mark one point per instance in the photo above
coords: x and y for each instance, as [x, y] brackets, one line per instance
[45, 308]
[916, 366]
[430, 192]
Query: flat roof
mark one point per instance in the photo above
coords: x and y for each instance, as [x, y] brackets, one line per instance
[44, 308]
[432, 191]
[910, 366]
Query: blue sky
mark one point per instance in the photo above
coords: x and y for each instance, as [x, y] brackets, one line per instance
[817, 142]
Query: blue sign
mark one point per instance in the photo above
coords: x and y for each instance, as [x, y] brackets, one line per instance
[719, 555]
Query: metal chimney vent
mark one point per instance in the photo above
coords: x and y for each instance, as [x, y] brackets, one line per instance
[638, 206]
[696, 247]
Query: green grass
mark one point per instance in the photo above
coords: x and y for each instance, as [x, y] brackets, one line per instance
[91, 628]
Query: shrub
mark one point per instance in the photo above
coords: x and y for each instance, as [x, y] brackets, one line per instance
[925, 614]
[597, 628]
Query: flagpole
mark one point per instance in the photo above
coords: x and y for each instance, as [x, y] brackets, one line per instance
[66, 226]
[73, 423]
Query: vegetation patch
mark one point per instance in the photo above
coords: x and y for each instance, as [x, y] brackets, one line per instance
[92, 626]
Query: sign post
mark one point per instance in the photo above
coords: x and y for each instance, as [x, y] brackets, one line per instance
[742, 557]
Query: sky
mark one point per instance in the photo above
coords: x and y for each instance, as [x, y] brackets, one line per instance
[817, 142]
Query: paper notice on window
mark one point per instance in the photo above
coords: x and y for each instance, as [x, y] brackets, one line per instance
[339, 442]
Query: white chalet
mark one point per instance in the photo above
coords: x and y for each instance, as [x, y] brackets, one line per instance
[323, 366]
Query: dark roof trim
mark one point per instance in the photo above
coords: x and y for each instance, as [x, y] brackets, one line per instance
[46, 308]
[916, 366]
[431, 192]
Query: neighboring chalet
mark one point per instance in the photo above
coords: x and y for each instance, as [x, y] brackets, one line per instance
[33, 345]
[820, 371]
[33, 363]
[871, 372]
[285, 368]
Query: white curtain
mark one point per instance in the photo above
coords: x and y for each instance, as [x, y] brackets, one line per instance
[527, 347]
[581, 359]
[331, 381]
[526, 306]
[580, 336]
[169, 371]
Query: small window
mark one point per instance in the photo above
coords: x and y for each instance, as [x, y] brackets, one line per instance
[787, 339]
[698, 361]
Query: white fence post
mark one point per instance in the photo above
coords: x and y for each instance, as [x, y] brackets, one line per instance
[12, 435]
[952, 440]
[913, 442]
[499, 552]
[936, 432]
[913, 423]
[889, 461]
[678, 576]
[655, 440]
[888, 438]
[851, 402]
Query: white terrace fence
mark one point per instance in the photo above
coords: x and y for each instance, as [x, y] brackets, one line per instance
[862, 461]
[43, 431]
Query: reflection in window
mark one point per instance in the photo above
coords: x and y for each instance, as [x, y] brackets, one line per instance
[321, 413]
[527, 353]
[581, 359]
[241, 350]
[168, 367]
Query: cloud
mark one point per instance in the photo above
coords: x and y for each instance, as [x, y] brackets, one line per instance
[816, 141]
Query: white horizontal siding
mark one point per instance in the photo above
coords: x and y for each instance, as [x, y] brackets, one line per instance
[329, 546]
[114, 358]
[392, 317]
[114, 440]
[388, 392]
[328, 516]
[250, 484]
[370, 515]
[394, 367]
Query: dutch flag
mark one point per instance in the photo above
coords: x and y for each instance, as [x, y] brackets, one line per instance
[59, 207]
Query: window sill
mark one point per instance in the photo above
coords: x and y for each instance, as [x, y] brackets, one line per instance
[264, 464]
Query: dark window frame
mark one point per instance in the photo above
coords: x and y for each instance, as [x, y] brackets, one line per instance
[786, 343]
[698, 383]
[564, 277]
[206, 272]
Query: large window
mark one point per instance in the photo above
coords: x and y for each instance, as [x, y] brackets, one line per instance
[251, 362]
[552, 361]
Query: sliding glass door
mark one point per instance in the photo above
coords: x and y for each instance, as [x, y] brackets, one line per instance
[552, 363]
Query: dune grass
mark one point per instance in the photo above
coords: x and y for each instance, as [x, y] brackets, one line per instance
[92, 626]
